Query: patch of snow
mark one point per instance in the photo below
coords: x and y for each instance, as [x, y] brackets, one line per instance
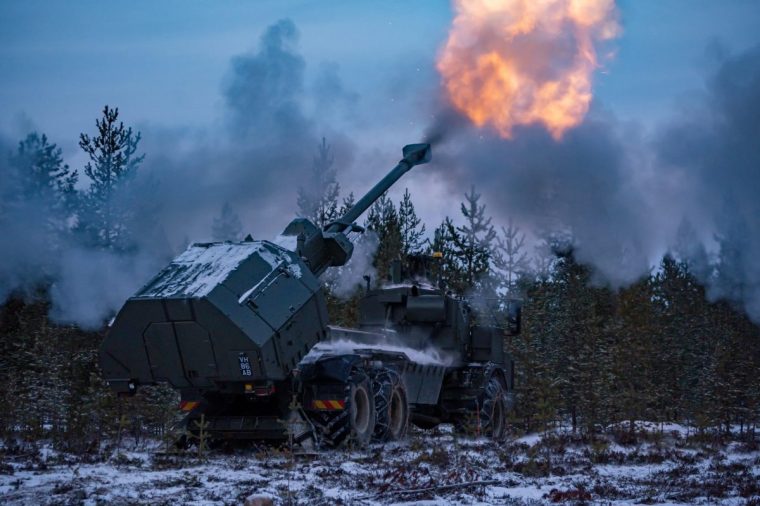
[275, 262]
[383, 474]
[530, 439]
[200, 269]
[295, 270]
[255, 287]
[273, 259]
[426, 356]
[289, 242]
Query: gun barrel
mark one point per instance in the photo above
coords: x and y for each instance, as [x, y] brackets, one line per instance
[414, 154]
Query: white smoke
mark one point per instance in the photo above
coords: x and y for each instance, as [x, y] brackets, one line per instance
[344, 281]
[623, 195]
[270, 129]
[91, 284]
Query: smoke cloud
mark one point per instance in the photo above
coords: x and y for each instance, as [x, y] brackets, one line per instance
[344, 280]
[268, 132]
[627, 198]
[583, 185]
[712, 147]
[625, 195]
[513, 63]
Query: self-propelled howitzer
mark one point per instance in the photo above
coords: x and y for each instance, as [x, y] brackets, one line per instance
[226, 323]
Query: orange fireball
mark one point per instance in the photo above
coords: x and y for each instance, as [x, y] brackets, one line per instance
[522, 62]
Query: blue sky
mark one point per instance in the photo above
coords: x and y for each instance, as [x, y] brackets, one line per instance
[165, 62]
[229, 116]
[165, 65]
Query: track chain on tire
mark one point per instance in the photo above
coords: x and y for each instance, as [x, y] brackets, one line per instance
[384, 383]
[493, 393]
[334, 427]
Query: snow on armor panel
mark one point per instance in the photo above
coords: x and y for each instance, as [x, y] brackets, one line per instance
[236, 297]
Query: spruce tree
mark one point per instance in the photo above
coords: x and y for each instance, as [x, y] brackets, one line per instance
[512, 259]
[445, 239]
[37, 194]
[411, 227]
[40, 176]
[383, 220]
[473, 245]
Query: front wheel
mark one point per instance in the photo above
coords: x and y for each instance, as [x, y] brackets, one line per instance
[493, 410]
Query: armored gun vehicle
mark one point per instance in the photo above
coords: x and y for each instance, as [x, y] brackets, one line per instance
[241, 330]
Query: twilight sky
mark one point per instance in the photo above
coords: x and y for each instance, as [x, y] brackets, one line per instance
[233, 97]
[165, 64]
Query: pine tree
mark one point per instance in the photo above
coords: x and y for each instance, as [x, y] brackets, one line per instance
[512, 260]
[227, 226]
[579, 331]
[682, 347]
[41, 176]
[37, 193]
[537, 391]
[383, 220]
[348, 203]
[635, 356]
[445, 238]
[473, 245]
[318, 200]
[113, 163]
[411, 227]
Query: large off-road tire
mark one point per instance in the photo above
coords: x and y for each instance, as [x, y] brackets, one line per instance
[391, 406]
[493, 410]
[354, 423]
[488, 417]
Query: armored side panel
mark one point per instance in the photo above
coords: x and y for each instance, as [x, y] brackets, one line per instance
[219, 313]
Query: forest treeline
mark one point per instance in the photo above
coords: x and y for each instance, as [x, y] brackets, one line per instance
[589, 356]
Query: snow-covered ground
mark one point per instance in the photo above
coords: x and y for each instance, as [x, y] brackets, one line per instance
[431, 467]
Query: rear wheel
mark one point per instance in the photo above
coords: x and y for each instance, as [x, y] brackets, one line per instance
[488, 416]
[493, 410]
[356, 421]
[391, 406]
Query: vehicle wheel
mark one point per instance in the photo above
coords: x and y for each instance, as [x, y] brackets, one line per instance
[493, 410]
[356, 421]
[391, 406]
